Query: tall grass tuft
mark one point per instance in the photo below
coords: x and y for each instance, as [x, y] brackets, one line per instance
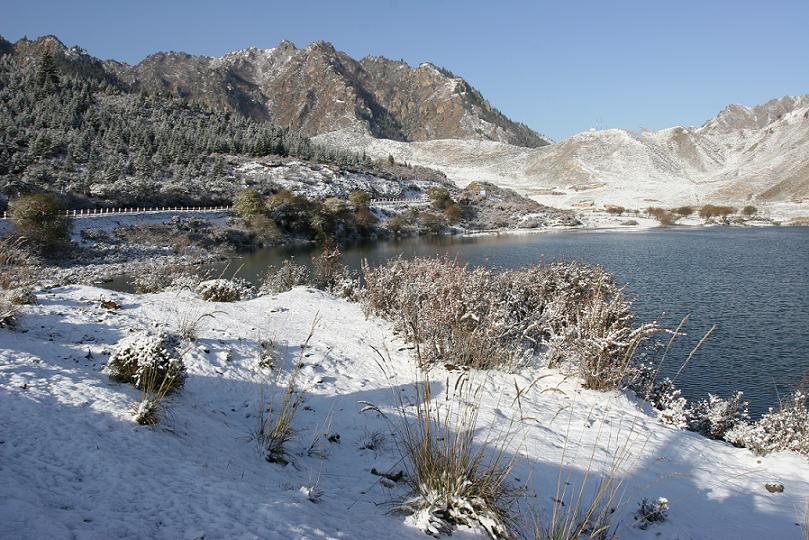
[455, 477]
[275, 422]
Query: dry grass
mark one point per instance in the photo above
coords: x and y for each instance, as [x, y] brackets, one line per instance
[584, 508]
[456, 477]
[188, 322]
[581, 515]
[150, 409]
[275, 422]
[806, 522]
[8, 313]
[573, 313]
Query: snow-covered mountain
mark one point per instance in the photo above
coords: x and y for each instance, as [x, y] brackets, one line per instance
[744, 155]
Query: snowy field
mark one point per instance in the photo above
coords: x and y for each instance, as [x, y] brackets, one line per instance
[73, 464]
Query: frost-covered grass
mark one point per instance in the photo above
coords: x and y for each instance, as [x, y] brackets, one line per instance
[572, 313]
[224, 290]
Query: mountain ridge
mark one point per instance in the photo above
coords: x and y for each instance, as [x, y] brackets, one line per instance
[314, 90]
[744, 155]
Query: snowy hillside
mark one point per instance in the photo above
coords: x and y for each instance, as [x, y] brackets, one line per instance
[73, 464]
[745, 155]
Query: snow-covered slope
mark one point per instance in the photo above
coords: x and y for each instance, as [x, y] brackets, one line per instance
[745, 155]
[73, 464]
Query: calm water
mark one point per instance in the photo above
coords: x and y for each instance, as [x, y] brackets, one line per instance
[752, 283]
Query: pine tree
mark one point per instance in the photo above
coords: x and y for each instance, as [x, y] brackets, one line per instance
[47, 76]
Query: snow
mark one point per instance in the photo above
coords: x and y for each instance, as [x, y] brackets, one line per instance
[73, 463]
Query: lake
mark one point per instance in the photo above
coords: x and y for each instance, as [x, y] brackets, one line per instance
[752, 283]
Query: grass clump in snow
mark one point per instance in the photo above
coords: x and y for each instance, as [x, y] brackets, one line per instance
[577, 517]
[454, 477]
[275, 426]
[156, 387]
[583, 508]
[275, 422]
[147, 361]
[17, 263]
[224, 290]
[188, 322]
[8, 313]
[150, 363]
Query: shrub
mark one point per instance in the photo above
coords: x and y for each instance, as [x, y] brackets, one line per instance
[159, 277]
[147, 361]
[267, 353]
[21, 296]
[749, 211]
[284, 277]
[663, 216]
[714, 417]
[359, 199]
[432, 224]
[711, 211]
[453, 213]
[248, 204]
[785, 428]
[655, 511]
[396, 225]
[330, 274]
[683, 211]
[41, 219]
[440, 198]
[8, 313]
[615, 210]
[479, 318]
[224, 290]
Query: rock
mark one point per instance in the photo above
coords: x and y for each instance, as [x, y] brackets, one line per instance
[775, 487]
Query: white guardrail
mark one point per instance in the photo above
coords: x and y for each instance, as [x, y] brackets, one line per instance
[98, 212]
[396, 202]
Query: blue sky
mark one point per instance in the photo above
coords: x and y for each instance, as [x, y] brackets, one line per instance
[560, 67]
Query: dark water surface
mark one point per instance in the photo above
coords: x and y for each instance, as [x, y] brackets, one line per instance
[752, 283]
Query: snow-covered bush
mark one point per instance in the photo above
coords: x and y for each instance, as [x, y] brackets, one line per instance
[476, 317]
[655, 511]
[8, 313]
[674, 408]
[224, 290]
[284, 277]
[714, 417]
[267, 353]
[785, 428]
[159, 277]
[21, 296]
[146, 361]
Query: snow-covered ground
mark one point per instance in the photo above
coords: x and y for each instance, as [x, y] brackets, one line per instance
[73, 464]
